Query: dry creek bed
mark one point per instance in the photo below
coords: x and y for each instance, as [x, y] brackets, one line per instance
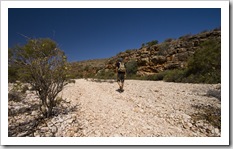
[95, 108]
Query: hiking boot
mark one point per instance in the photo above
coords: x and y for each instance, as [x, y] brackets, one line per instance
[121, 89]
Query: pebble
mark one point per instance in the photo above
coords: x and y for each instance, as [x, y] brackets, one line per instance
[34, 113]
[44, 129]
[53, 129]
[216, 131]
[69, 121]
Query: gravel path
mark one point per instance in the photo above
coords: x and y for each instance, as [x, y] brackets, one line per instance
[145, 108]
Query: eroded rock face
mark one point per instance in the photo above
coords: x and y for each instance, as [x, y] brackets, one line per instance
[168, 55]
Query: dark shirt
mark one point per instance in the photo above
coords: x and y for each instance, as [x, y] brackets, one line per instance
[118, 65]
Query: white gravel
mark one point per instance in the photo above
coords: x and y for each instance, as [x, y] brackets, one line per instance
[145, 108]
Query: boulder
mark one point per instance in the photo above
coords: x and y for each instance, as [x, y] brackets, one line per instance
[182, 56]
[143, 61]
[158, 59]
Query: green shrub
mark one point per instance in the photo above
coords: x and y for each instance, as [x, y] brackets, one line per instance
[43, 65]
[175, 75]
[155, 77]
[203, 67]
[131, 68]
[151, 43]
[205, 64]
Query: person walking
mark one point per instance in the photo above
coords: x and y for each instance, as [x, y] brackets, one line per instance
[121, 73]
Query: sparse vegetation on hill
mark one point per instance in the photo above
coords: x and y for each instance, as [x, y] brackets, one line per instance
[191, 58]
[151, 43]
[203, 67]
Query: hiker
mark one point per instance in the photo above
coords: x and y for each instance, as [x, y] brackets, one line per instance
[121, 73]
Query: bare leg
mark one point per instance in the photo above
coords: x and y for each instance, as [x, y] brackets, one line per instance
[119, 83]
[122, 85]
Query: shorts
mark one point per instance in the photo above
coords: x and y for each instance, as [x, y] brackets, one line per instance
[121, 77]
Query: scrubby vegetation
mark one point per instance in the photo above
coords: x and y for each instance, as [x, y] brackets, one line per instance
[131, 68]
[208, 113]
[151, 43]
[203, 67]
[43, 65]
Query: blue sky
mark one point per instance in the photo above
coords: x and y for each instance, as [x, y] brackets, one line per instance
[90, 33]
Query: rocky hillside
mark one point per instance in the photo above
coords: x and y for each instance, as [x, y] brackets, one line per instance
[87, 68]
[170, 54]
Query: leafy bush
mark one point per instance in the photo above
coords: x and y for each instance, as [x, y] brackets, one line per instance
[131, 68]
[44, 66]
[175, 75]
[205, 64]
[155, 77]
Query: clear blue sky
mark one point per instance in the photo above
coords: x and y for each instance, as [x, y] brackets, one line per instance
[90, 33]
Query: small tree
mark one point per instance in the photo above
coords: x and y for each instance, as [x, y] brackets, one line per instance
[44, 66]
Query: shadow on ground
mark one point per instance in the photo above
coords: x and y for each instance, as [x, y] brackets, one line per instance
[101, 80]
[24, 121]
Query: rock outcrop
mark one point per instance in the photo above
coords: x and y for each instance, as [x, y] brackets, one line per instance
[167, 55]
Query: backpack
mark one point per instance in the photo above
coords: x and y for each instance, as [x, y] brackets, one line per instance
[121, 67]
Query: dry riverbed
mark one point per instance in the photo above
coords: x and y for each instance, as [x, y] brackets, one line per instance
[94, 108]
